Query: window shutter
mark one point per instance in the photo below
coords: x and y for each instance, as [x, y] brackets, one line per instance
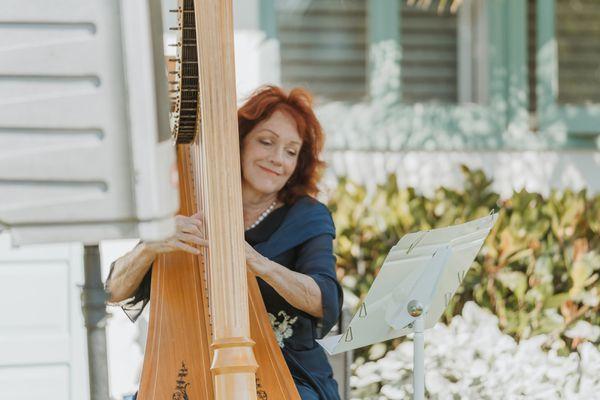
[429, 54]
[532, 55]
[578, 37]
[323, 47]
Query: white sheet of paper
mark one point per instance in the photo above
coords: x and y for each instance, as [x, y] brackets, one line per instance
[427, 266]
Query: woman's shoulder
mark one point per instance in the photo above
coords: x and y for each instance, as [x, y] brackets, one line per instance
[308, 203]
[312, 214]
[306, 219]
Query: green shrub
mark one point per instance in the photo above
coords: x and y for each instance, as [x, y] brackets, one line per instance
[537, 271]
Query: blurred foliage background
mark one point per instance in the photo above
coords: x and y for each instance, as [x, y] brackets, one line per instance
[537, 270]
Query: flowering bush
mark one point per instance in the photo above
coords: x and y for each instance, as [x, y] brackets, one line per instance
[470, 358]
[537, 271]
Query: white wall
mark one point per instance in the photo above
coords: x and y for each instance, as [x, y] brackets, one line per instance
[42, 337]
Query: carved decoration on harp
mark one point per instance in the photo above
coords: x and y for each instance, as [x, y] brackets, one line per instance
[181, 386]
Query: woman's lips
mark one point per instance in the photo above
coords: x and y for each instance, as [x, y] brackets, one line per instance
[268, 170]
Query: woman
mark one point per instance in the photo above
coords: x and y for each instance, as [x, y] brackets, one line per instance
[289, 235]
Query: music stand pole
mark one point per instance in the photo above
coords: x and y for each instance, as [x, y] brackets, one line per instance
[415, 309]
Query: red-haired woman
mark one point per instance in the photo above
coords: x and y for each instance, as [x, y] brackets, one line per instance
[289, 235]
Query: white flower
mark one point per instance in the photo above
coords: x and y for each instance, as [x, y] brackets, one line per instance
[282, 329]
[472, 359]
[584, 330]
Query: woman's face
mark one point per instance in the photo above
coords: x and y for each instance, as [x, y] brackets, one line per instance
[270, 153]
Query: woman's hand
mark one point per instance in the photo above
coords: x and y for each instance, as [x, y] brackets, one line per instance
[188, 233]
[257, 263]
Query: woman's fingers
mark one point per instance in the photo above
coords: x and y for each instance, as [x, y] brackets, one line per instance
[188, 233]
[197, 219]
[191, 228]
[187, 248]
[199, 215]
[191, 239]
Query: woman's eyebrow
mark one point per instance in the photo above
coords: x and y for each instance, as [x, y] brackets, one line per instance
[276, 134]
[269, 130]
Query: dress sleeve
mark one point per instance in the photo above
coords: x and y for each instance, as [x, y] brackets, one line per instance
[134, 305]
[316, 259]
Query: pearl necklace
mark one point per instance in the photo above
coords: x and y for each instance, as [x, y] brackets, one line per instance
[263, 215]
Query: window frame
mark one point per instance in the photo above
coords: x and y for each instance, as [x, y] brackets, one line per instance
[580, 121]
[494, 111]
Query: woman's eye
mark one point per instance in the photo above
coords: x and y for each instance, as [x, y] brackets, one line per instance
[292, 153]
[267, 142]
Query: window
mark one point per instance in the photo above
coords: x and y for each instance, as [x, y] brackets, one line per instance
[428, 40]
[577, 33]
[566, 68]
[323, 47]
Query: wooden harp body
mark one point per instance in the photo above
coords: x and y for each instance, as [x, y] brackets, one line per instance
[209, 336]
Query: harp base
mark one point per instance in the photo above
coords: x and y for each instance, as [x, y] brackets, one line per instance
[233, 367]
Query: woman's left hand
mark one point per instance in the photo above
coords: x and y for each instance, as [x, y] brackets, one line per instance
[257, 263]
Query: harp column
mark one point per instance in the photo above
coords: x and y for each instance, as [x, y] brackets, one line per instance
[233, 363]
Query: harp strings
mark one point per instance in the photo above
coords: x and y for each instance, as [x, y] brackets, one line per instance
[199, 182]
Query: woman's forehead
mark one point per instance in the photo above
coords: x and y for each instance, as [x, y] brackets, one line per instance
[281, 125]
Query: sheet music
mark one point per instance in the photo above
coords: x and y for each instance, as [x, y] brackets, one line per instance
[427, 266]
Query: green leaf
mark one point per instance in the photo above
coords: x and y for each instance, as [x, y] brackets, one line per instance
[516, 281]
[557, 300]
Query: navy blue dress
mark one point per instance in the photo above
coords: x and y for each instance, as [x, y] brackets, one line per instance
[299, 237]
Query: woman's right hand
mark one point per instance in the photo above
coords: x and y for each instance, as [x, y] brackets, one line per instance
[188, 232]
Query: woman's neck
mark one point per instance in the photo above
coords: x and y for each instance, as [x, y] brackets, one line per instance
[255, 203]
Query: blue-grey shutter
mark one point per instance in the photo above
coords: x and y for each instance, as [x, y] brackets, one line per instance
[578, 36]
[429, 54]
[323, 47]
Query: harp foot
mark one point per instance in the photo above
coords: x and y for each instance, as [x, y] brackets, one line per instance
[233, 367]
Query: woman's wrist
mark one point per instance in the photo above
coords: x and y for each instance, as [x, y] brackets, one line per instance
[147, 251]
[266, 269]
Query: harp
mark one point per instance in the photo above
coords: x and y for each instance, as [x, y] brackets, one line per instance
[209, 336]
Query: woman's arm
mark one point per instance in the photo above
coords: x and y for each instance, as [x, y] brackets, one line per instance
[298, 289]
[128, 271]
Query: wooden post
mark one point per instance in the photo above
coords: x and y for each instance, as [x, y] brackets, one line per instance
[233, 361]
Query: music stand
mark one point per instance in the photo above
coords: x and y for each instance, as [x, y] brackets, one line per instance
[415, 284]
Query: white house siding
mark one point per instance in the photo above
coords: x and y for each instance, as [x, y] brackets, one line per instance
[42, 337]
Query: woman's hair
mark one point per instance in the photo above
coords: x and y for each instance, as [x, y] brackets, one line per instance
[298, 105]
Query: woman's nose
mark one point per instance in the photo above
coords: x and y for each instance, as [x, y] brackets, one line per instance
[277, 157]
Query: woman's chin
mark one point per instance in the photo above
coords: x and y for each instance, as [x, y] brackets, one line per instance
[267, 189]
[271, 190]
